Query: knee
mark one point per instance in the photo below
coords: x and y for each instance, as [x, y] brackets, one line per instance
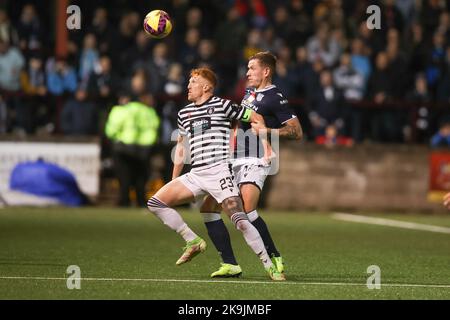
[232, 205]
[155, 205]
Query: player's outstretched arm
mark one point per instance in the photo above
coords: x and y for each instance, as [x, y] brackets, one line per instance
[178, 161]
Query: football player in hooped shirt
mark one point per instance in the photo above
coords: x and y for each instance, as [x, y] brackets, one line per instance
[252, 163]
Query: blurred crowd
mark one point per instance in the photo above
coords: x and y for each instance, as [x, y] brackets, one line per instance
[390, 85]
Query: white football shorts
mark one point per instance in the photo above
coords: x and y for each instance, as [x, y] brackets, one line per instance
[216, 181]
[250, 170]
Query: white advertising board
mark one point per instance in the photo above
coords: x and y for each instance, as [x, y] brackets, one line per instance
[81, 159]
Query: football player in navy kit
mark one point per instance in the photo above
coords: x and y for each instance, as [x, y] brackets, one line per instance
[252, 163]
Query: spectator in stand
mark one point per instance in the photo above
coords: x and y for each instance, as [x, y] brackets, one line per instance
[353, 85]
[421, 117]
[442, 137]
[270, 41]
[374, 41]
[61, 83]
[175, 83]
[253, 45]
[416, 48]
[435, 64]
[89, 57]
[8, 32]
[102, 30]
[323, 46]
[384, 123]
[284, 77]
[444, 26]
[312, 80]
[30, 30]
[34, 87]
[403, 80]
[407, 9]
[194, 19]
[206, 57]
[327, 115]
[391, 17]
[255, 12]
[136, 57]
[61, 78]
[232, 34]
[125, 38]
[158, 67]
[188, 54]
[79, 116]
[398, 65]
[230, 37]
[174, 87]
[348, 79]
[11, 64]
[443, 86]
[302, 67]
[33, 79]
[430, 12]
[301, 22]
[103, 83]
[282, 23]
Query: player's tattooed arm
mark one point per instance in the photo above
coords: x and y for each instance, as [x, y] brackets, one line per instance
[291, 130]
[178, 161]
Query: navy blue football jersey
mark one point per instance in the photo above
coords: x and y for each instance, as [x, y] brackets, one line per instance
[273, 106]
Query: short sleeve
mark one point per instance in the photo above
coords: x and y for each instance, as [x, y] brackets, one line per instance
[233, 110]
[181, 129]
[281, 109]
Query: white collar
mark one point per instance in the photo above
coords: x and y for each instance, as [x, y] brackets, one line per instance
[266, 88]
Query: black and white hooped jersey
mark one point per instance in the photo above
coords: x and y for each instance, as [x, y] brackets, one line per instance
[207, 127]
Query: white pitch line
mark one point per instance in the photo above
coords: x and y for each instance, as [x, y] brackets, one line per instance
[389, 222]
[230, 281]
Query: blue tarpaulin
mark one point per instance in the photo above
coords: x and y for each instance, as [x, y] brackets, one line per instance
[47, 180]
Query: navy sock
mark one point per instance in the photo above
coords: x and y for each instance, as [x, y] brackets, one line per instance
[261, 226]
[219, 235]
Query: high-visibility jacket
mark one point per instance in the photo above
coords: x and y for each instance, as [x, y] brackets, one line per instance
[133, 124]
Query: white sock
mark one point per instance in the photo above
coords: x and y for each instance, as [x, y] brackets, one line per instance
[211, 216]
[252, 215]
[252, 237]
[171, 218]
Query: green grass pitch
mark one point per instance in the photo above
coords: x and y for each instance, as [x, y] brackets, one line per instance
[129, 254]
